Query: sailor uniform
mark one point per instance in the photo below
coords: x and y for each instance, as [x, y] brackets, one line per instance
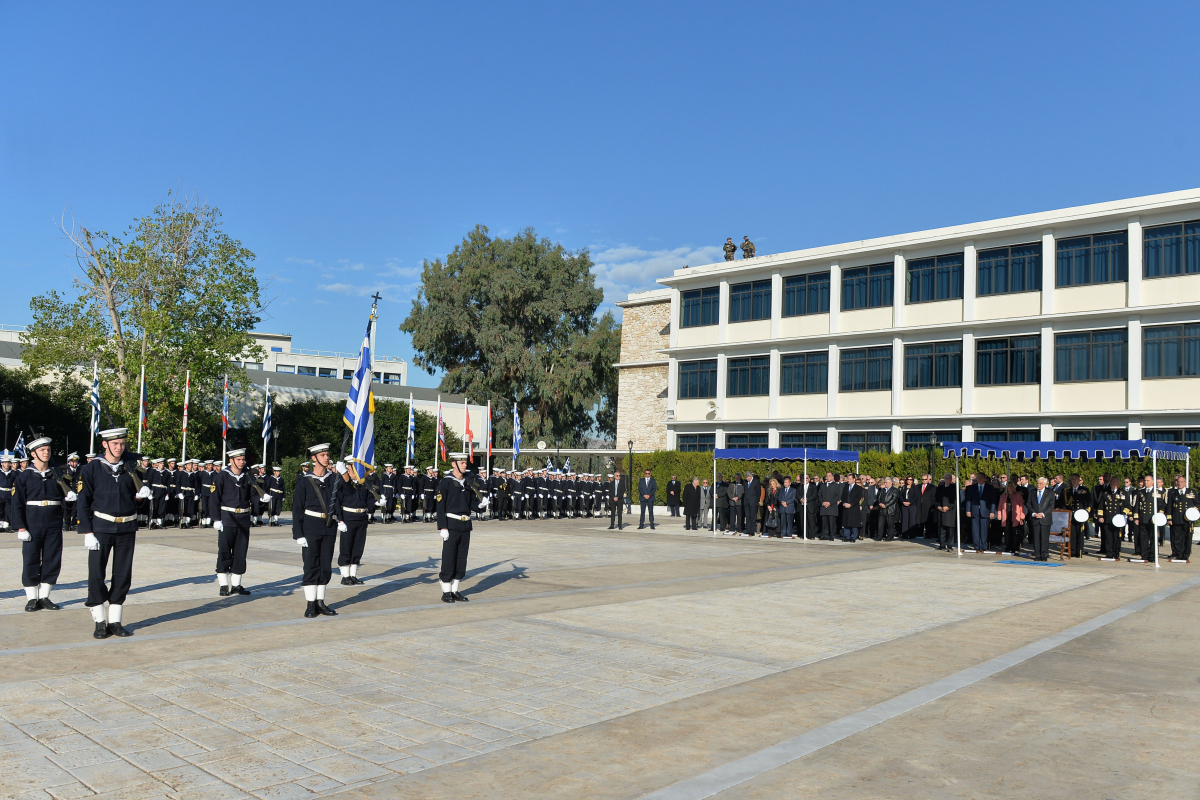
[37, 507]
[429, 485]
[314, 519]
[230, 497]
[7, 478]
[108, 511]
[274, 485]
[353, 499]
[455, 502]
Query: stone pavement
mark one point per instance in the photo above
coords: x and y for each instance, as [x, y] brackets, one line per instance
[589, 664]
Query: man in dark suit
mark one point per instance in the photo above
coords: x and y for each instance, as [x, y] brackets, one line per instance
[888, 501]
[736, 491]
[830, 497]
[1041, 513]
[616, 499]
[853, 498]
[674, 496]
[945, 510]
[750, 503]
[926, 522]
[647, 491]
[721, 495]
[980, 502]
[811, 507]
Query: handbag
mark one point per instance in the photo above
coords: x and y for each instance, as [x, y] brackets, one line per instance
[772, 522]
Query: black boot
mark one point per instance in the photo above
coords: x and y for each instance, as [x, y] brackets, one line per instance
[326, 610]
[47, 605]
[312, 610]
[117, 629]
[459, 597]
[101, 631]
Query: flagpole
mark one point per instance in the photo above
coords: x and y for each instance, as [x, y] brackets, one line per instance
[488, 430]
[141, 409]
[224, 421]
[437, 442]
[266, 412]
[95, 414]
[470, 451]
[187, 392]
[407, 446]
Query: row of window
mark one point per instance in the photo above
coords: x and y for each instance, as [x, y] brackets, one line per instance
[392, 378]
[1167, 352]
[1080, 261]
[881, 441]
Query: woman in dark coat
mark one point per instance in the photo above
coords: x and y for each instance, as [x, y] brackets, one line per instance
[691, 505]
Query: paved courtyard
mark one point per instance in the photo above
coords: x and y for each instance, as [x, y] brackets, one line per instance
[592, 663]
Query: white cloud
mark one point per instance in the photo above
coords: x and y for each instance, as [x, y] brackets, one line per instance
[626, 268]
[365, 289]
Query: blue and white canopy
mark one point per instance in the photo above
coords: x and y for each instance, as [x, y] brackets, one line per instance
[1103, 450]
[785, 454]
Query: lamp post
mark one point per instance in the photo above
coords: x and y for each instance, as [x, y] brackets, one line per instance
[8, 407]
[933, 440]
[630, 504]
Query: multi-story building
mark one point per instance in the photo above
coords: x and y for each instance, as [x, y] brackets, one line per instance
[282, 357]
[1077, 324]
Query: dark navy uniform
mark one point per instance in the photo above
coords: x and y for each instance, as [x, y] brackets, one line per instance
[108, 510]
[388, 486]
[1178, 502]
[231, 499]
[314, 518]
[7, 477]
[275, 491]
[455, 502]
[355, 502]
[1109, 503]
[1075, 498]
[429, 486]
[204, 483]
[38, 499]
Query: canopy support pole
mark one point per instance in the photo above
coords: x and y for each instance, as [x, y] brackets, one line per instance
[957, 510]
[1154, 500]
[712, 497]
[804, 505]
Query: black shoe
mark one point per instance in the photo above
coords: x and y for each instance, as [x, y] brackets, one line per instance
[641, 527]
[357, 580]
[324, 609]
[311, 611]
[101, 631]
[238, 590]
[347, 581]
[459, 597]
[47, 605]
[611, 528]
[116, 629]
[447, 597]
[224, 591]
[32, 605]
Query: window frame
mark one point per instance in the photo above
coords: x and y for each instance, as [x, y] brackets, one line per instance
[738, 445]
[1085, 257]
[1188, 245]
[757, 375]
[802, 285]
[1180, 342]
[1071, 351]
[757, 300]
[885, 274]
[934, 357]
[813, 361]
[870, 355]
[706, 304]
[700, 368]
[820, 440]
[867, 446]
[1010, 360]
[923, 442]
[697, 446]
[939, 272]
[1024, 435]
[1033, 270]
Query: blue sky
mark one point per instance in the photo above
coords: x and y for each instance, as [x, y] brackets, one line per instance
[345, 143]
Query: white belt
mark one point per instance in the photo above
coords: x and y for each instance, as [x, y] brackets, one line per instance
[277, 491]
[235, 510]
[43, 502]
[459, 517]
[111, 518]
[158, 485]
[314, 514]
[354, 510]
[5, 488]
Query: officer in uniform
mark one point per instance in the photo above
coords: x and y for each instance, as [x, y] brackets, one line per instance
[1180, 498]
[353, 498]
[1111, 502]
[458, 495]
[156, 479]
[429, 485]
[315, 525]
[7, 477]
[39, 495]
[747, 247]
[1143, 513]
[231, 491]
[1075, 497]
[108, 522]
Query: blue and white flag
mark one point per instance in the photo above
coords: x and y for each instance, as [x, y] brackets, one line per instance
[516, 435]
[567, 466]
[19, 447]
[95, 399]
[411, 455]
[267, 424]
[360, 411]
[549, 464]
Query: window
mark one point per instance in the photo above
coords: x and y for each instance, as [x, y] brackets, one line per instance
[392, 378]
[866, 442]
[939, 278]
[1008, 270]
[1006, 436]
[697, 379]
[867, 287]
[920, 440]
[1099, 435]
[929, 365]
[744, 441]
[1008, 361]
[1171, 351]
[288, 368]
[806, 294]
[276, 349]
[1102, 258]
[1090, 356]
[253, 365]
[347, 374]
[804, 373]
[306, 371]
[700, 307]
[695, 442]
[866, 370]
[749, 301]
[749, 377]
[327, 372]
[803, 440]
[1188, 437]
[1171, 250]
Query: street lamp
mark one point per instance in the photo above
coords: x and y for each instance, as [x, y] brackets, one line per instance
[631, 475]
[8, 407]
[933, 440]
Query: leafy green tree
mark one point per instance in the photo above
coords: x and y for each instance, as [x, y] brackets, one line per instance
[57, 408]
[174, 293]
[514, 320]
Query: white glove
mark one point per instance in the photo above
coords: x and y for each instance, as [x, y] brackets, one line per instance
[90, 542]
[24, 535]
[445, 534]
[381, 502]
[179, 496]
[70, 498]
[484, 503]
[302, 542]
[340, 467]
[144, 493]
[342, 527]
[217, 525]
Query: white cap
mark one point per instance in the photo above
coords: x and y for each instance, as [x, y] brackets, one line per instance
[72, 455]
[41, 441]
[319, 448]
[389, 465]
[458, 456]
[241, 451]
[113, 433]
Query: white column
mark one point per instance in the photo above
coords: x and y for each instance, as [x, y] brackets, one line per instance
[1049, 256]
[897, 439]
[832, 394]
[970, 273]
[720, 434]
[776, 304]
[1135, 428]
[1046, 432]
[722, 377]
[723, 311]
[1047, 386]
[968, 372]
[835, 295]
[968, 433]
[675, 309]
[1133, 384]
[672, 383]
[831, 438]
[1133, 294]
[899, 281]
[897, 375]
[670, 438]
[772, 436]
[773, 391]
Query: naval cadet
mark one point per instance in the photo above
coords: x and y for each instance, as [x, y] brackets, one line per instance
[274, 486]
[231, 493]
[315, 525]
[108, 521]
[458, 495]
[39, 494]
[7, 477]
[70, 475]
[352, 496]
[429, 485]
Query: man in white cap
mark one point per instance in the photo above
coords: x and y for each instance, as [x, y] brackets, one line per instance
[204, 479]
[354, 501]
[145, 507]
[157, 479]
[7, 477]
[429, 485]
[458, 494]
[315, 525]
[108, 522]
[39, 494]
[70, 475]
[388, 484]
[231, 493]
[274, 486]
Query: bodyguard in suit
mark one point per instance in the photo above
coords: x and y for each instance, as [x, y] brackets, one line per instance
[721, 503]
[945, 509]
[888, 504]
[1042, 501]
[980, 500]
[737, 490]
[830, 495]
[853, 498]
[674, 496]
[615, 496]
[647, 491]
[751, 501]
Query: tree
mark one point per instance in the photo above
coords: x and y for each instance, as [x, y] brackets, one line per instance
[514, 320]
[57, 408]
[173, 293]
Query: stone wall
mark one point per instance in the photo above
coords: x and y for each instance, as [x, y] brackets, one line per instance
[642, 398]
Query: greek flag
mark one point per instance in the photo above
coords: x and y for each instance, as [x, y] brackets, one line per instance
[19, 447]
[516, 435]
[95, 399]
[567, 466]
[360, 412]
[267, 424]
[549, 464]
[411, 455]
